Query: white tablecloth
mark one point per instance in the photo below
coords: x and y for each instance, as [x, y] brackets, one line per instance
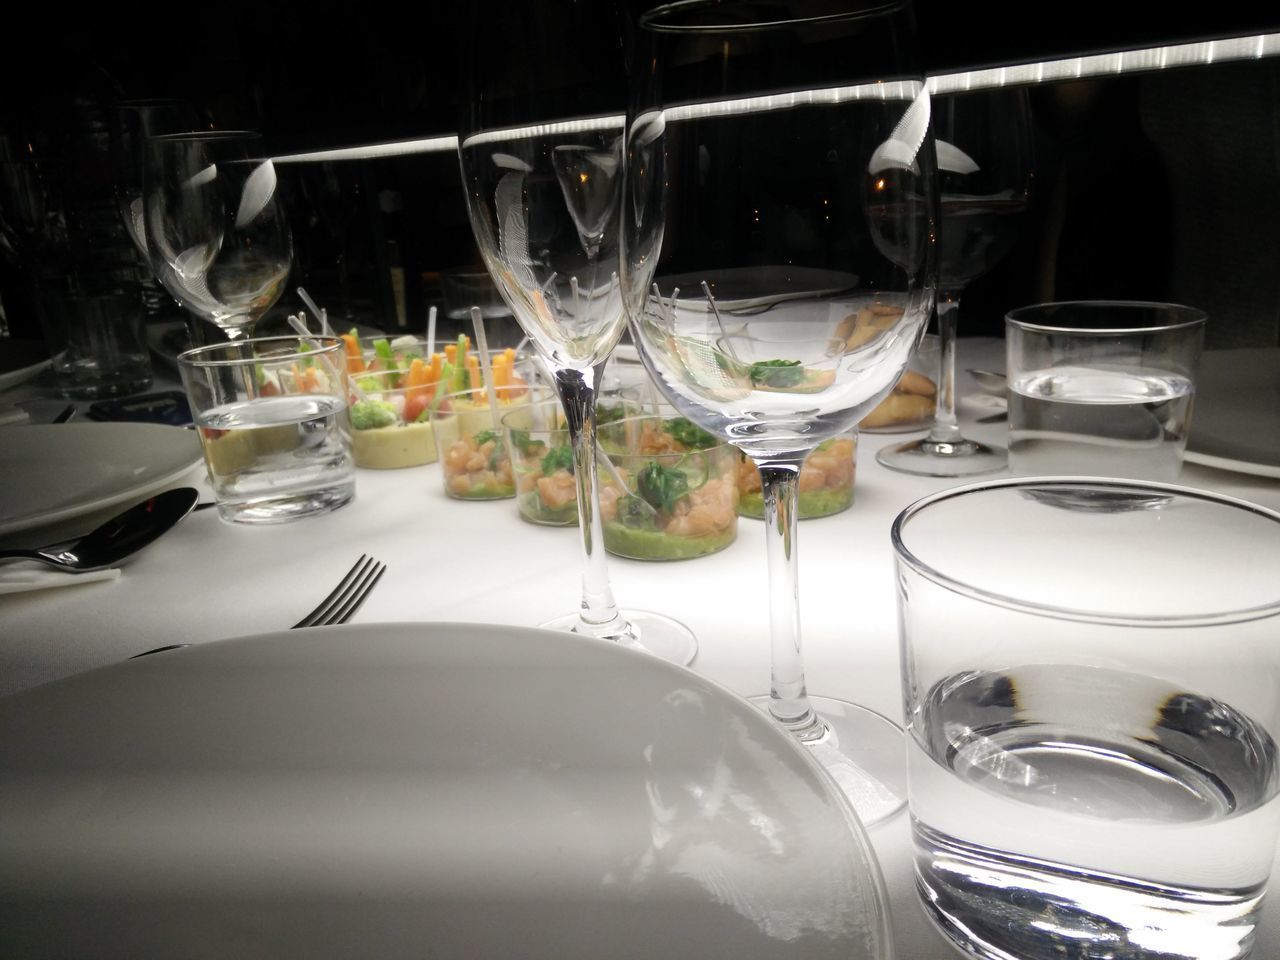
[451, 560]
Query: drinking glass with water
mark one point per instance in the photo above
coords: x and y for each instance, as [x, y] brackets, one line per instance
[1101, 388]
[1092, 715]
[273, 422]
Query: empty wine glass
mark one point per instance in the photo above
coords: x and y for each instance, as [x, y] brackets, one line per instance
[778, 268]
[216, 233]
[540, 146]
[984, 171]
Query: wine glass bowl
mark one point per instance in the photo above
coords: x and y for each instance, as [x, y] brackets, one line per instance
[984, 174]
[216, 233]
[778, 264]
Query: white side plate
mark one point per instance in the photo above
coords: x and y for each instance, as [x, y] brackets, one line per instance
[54, 472]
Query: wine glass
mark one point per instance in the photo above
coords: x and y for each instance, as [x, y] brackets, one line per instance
[984, 173]
[216, 233]
[778, 261]
[540, 147]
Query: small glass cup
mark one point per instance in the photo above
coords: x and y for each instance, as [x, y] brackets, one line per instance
[473, 453]
[1101, 388]
[1089, 675]
[826, 480]
[679, 493]
[273, 421]
[391, 422]
[542, 461]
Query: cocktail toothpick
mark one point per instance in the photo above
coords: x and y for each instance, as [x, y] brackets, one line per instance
[482, 347]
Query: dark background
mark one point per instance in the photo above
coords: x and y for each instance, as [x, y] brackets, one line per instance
[1161, 186]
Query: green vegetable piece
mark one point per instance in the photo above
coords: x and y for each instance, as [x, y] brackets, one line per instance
[689, 433]
[633, 514]
[777, 374]
[484, 436]
[661, 486]
[461, 379]
[560, 458]
[609, 413]
[525, 443]
[382, 350]
[371, 414]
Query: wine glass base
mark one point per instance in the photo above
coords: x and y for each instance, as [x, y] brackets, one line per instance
[863, 753]
[941, 458]
[653, 633]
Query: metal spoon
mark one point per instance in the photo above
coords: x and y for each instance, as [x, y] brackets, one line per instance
[118, 538]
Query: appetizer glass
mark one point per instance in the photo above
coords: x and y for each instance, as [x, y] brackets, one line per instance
[391, 422]
[826, 480]
[541, 452]
[473, 453]
[680, 489]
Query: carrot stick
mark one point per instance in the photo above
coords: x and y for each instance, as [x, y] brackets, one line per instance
[355, 362]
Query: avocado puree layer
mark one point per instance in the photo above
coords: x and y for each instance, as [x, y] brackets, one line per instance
[813, 503]
[641, 544]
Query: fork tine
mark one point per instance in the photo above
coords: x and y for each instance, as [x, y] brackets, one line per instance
[324, 608]
[362, 589]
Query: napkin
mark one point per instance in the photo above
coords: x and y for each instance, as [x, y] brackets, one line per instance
[21, 577]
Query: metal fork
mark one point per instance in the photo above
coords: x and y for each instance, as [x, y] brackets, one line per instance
[338, 607]
[346, 598]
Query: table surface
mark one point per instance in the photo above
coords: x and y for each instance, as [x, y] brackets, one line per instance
[449, 560]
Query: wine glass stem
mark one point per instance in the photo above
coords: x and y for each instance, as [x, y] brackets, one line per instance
[599, 613]
[788, 699]
[944, 429]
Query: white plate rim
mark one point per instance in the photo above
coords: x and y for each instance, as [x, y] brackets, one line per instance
[133, 492]
[13, 378]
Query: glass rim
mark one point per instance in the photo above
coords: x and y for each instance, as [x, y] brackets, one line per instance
[328, 345]
[440, 406]
[1193, 317]
[957, 585]
[651, 19]
[207, 135]
[638, 417]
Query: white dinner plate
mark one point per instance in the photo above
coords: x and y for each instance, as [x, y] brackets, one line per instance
[54, 472]
[20, 360]
[1236, 422]
[419, 790]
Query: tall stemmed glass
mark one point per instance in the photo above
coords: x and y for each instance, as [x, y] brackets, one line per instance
[540, 146]
[778, 269]
[216, 232]
[984, 171]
